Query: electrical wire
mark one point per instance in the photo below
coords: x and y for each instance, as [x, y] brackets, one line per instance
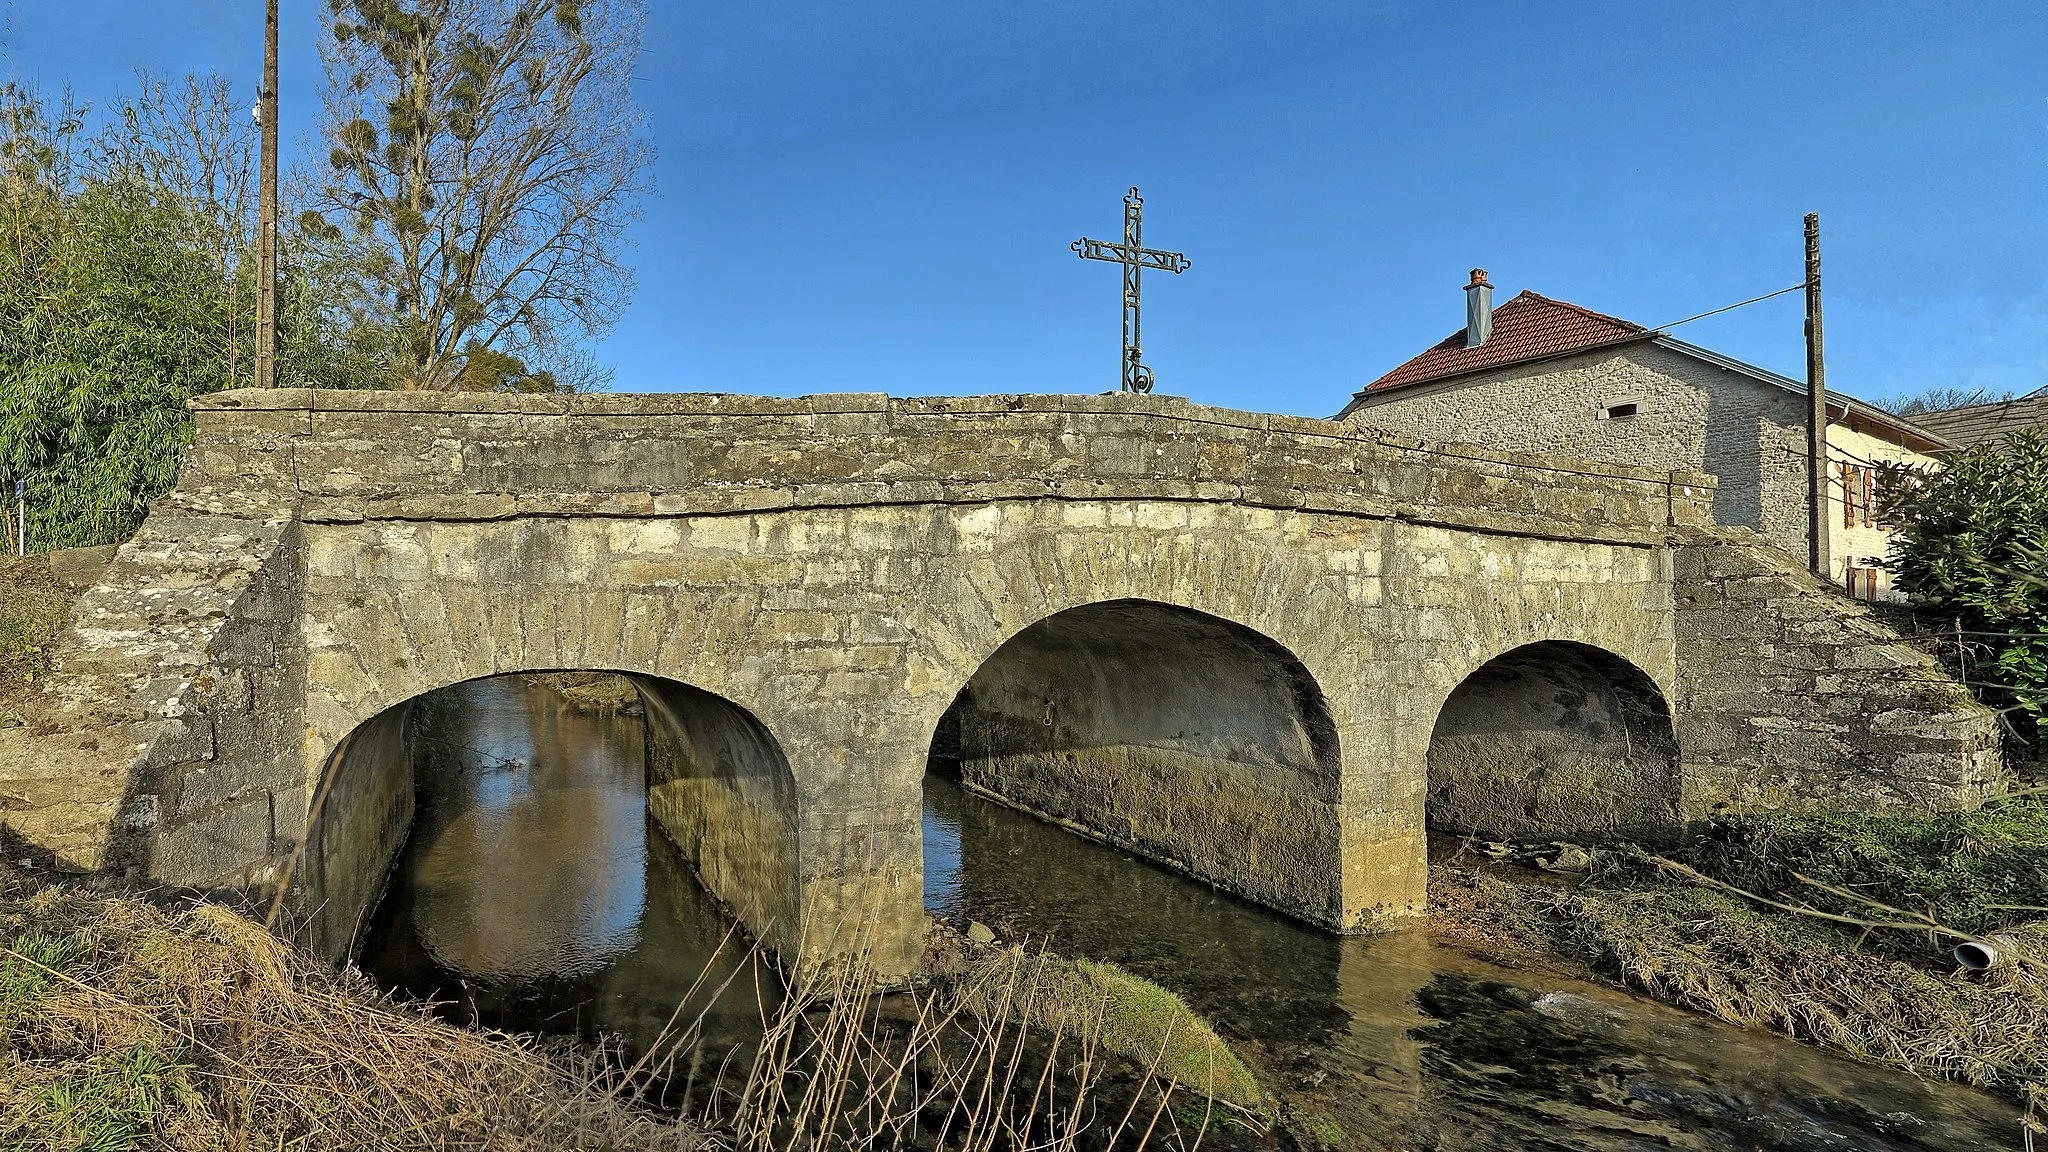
[1730, 308]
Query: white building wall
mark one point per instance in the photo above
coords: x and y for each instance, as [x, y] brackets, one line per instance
[1856, 545]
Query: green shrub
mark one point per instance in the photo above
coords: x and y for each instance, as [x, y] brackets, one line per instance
[124, 293]
[1973, 546]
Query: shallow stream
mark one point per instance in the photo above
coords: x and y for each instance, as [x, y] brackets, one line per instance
[534, 895]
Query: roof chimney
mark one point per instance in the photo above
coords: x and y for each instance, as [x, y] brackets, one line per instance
[1478, 309]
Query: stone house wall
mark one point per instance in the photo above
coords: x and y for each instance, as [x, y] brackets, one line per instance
[1690, 414]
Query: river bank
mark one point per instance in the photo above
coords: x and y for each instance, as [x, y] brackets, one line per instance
[1837, 929]
[594, 691]
[190, 1027]
[126, 1025]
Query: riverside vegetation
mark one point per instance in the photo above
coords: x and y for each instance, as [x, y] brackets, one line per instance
[1834, 928]
[124, 1024]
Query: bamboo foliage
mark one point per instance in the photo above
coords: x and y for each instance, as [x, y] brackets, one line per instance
[126, 289]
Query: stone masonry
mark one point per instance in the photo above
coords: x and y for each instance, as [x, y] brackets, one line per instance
[1796, 696]
[1690, 414]
[814, 582]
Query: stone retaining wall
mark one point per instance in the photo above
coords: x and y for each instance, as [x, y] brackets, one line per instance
[1794, 695]
[168, 730]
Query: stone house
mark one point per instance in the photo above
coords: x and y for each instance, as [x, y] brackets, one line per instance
[1542, 375]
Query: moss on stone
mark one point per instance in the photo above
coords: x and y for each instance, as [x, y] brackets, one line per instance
[1125, 1013]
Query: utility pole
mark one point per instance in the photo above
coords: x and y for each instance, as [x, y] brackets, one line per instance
[1816, 412]
[266, 212]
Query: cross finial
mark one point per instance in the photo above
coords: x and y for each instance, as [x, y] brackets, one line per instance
[1134, 256]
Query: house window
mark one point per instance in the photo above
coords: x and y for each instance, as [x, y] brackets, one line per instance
[1861, 582]
[1619, 410]
[1859, 497]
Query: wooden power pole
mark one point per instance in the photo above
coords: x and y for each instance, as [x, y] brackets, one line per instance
[1816, 413]
[266, 212]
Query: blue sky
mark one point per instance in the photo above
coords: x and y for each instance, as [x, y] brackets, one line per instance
[878, 196]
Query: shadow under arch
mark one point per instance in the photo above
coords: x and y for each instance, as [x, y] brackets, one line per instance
[718, 786]
[1182, 736]
[1555, 740]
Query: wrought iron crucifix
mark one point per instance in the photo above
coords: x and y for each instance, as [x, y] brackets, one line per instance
[1134, 256]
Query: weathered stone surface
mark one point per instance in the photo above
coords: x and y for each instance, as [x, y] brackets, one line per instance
[835, 570]
[1794, 696]
[1556, 740]
[1181, 736]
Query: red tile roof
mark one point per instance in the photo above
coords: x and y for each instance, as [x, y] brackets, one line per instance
[1525, 328]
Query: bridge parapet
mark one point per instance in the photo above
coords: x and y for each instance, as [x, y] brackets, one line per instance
[351, 456]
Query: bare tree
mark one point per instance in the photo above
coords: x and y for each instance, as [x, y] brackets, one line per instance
[1943, 399]
[486, 158]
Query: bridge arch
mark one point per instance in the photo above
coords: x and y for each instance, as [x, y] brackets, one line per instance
[717, 784]
[1187, 737]
[1555, 739]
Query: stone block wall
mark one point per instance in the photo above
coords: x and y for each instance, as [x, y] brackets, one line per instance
[1556, 740]
[837, 568]
[1180, 736]
[721, 789]
[166, 742]
[1792, 695]
[360, 816]
[1690, 414]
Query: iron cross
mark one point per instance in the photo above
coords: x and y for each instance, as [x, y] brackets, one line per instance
[1133, 255]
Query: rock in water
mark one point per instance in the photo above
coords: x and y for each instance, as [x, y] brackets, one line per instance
[979, 933]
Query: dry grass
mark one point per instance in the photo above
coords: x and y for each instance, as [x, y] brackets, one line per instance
[1831, 928]
[1717, 953]
[123, 1025]
[33, 605]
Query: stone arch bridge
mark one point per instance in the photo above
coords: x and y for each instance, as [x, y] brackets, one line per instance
[1265, 649]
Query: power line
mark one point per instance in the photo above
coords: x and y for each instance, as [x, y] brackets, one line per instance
[1800, 287]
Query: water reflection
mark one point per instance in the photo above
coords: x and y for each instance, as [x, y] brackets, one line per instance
[1398, 1042]
[534, 894]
